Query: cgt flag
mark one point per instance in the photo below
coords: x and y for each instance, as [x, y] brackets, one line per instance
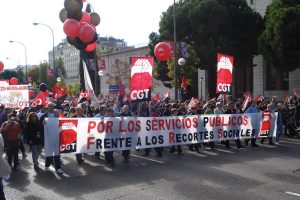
[224, 73]
[141, 78]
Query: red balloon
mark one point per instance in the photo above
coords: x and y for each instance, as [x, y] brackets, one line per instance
[13, 81]
[162, 51]
[85, 17]
[1, 66]
[87, 33]
[31, 93]
[91, 47]
[71, 27]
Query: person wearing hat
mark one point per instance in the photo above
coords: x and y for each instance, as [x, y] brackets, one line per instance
[49, 159]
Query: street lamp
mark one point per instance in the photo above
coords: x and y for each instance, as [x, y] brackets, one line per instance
[201, 80]
[12, 41]
[35, 24]
[175, 61]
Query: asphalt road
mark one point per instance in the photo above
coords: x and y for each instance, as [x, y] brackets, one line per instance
[267, 172]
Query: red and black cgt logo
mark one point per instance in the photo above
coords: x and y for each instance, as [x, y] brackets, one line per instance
[67, 135]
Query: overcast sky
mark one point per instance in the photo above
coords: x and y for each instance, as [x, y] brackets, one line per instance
[131, 20]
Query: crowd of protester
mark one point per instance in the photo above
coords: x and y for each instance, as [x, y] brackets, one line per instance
[27, 125]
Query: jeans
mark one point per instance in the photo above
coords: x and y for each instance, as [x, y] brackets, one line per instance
[36, 152]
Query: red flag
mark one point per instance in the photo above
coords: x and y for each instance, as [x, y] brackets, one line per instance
[259, 98]
[224, 73]
[141, 78]
[121, 88]
[39, 100]
[183, 86]
[156, 97]
[247, 99]
[59, 92]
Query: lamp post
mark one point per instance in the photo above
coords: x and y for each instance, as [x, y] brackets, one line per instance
[12, 41]
[53, 56]
[175, 61]
[201, 80]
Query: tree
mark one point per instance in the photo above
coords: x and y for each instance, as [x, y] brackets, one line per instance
[212, 26]
[34, 74]
[279, 42]
[60, 69]
[8, 74]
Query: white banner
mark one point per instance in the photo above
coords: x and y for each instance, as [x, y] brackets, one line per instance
[14, 96]
[85, 135]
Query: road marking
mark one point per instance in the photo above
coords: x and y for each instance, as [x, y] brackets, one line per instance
[225, 151]
[161, 162]
[292, 193]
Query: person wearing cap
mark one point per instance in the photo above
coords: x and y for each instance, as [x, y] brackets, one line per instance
[49, 159]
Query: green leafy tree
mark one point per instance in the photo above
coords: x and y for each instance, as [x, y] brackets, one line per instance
[60, 69]
[213, 26]
[279, 42]
[8, 74]
[34, 74]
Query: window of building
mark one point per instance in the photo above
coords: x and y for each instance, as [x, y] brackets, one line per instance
[252, 2]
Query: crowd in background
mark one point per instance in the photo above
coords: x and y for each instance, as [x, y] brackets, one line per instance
[27, 126]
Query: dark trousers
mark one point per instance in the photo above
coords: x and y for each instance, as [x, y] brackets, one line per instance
[238, 143]
[78, 157]
[22, 147]
[126, 153]
[55, 159]
[2, 196]
[195, 146]
[11, 153]
[173, 149]
[109, 156]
